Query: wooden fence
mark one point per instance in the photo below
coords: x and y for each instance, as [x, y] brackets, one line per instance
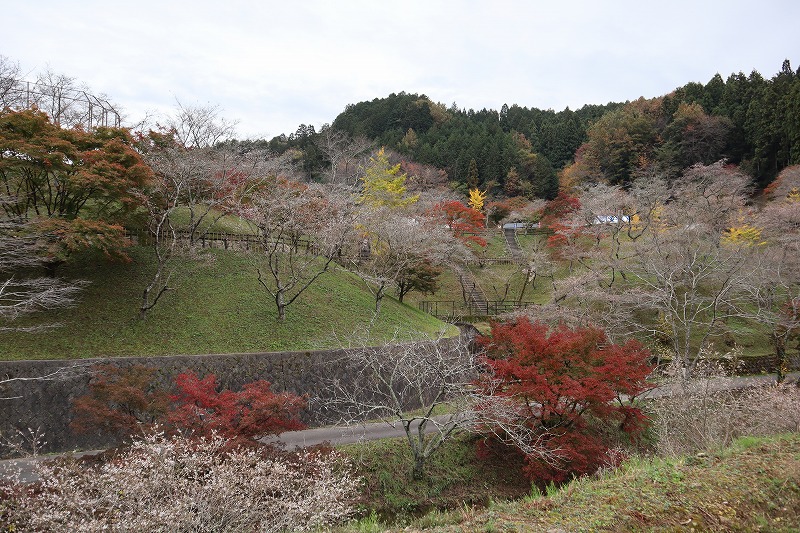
[451, 310]
[224, 240]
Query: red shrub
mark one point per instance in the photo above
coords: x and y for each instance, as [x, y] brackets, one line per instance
[554, 216]
[570, 387]
[121, 401]
[251, 413]
[125, 401]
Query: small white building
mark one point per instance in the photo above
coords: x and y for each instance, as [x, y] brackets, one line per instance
[610, 219]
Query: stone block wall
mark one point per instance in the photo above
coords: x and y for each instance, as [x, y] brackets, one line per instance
[47, 404]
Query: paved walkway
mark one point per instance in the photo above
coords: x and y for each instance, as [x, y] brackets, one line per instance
[25, 467]
[513, 244]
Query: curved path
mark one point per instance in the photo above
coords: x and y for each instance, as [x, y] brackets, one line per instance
[24, 468]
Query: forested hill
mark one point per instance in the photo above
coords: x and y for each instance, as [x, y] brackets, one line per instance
[749, 120]
[476, 148]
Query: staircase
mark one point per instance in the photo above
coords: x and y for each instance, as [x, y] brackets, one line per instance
[513, 244]
[473, 294]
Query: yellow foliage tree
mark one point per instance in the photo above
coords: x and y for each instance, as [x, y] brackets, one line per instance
[383, 185]
[477, 199]
[742, 235]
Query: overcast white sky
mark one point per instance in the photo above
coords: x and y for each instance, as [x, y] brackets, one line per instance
[272, 65]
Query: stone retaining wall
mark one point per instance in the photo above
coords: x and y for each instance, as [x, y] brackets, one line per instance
[46, 404]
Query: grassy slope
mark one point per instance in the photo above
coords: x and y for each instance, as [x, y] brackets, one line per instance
[217, 307]
[455, 477]
[752, 486]
[751, 337]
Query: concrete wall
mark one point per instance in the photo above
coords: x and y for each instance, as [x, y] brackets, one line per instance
[46, 404]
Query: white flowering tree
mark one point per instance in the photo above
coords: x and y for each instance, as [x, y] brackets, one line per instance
[177, 484]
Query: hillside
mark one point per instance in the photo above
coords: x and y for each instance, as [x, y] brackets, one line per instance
[217, 307]
[754, 485]
[747, 119]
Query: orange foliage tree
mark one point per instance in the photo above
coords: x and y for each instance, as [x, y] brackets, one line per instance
[465, 222]
[554, 217]
[77, 184]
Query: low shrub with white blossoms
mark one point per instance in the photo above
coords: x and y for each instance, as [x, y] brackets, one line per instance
[709, 410]
[175, 484]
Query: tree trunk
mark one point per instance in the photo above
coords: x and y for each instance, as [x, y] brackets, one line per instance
[51, 266]
[779, 342]
[525, 286]
[379, 294]
[418, 472]
[279, 303]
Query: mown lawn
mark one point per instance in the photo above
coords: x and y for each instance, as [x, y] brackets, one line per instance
[217, 307]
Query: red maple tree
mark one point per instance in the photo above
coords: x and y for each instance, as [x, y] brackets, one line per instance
[465, 222]
[571, 389]
[121, 401]
[554, 216]
[126, 401]
[243, 416]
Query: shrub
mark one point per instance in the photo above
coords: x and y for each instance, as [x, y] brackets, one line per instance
[710, 409]
[121, 401]
[176, 484]
[249, 414]
[565, 395]
[125, 402]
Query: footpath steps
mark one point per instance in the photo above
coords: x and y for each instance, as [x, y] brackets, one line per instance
[513, 244]
[473, 294]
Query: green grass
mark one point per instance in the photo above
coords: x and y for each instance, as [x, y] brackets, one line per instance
[217, 307]
[456, 477]
[496, 246]
[754, 485]
[223, 224]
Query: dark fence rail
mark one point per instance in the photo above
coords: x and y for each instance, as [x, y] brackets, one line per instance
[493, 260]
[455, 310]
[218, 239]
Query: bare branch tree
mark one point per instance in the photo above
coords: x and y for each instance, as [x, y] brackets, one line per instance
[418, 384]
[64, 373]
[688, 274]
[21, 247]
[210, 183]
[774, 289]
[536, 263]
[200, 126]
[9, 75]
[506, 419]
[161, 201]
[394, 243]
[346, 155]
[304, 230]
[682, 277]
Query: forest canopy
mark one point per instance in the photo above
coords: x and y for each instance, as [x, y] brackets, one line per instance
[748, 120]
